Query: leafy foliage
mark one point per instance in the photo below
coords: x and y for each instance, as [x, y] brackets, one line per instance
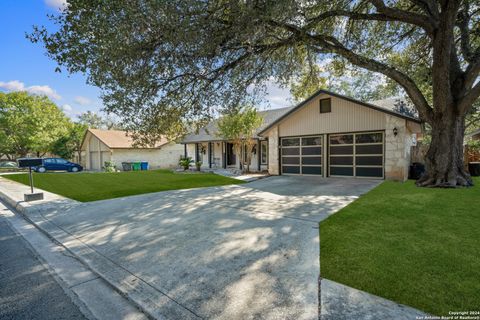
[70, 143]
[239, 126]
[29, 124]
[185, 162]
[94, 120]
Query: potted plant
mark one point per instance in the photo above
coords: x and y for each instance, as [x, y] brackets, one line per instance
[198, 165]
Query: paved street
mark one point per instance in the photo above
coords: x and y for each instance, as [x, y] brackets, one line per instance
[27, 289]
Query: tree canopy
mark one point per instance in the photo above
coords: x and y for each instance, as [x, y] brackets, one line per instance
[29, 124]
[239, 126]
[158, 61]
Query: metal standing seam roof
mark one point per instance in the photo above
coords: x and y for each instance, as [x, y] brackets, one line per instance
[117, 139]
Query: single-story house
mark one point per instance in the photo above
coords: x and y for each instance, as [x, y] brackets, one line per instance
[328, 134]
[117, 146]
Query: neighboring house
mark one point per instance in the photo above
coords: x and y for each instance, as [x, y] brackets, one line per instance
[114, 145]
[475, 135]
[327, 135]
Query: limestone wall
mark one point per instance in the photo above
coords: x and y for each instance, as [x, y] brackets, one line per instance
[273, 152]
[397, 149]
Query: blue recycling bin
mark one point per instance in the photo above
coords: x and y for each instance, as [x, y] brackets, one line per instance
[144, 165]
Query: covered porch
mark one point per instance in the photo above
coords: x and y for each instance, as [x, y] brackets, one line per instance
[220, 154]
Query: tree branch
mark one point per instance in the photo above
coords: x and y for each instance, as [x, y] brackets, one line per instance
[323, 43]
[462, 24]
[423, 21]
[467, 101]
[429, 6]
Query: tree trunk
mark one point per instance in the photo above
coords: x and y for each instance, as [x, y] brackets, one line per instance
[444, 162]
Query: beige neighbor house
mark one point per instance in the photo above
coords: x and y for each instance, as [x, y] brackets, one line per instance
[327, 135]
[114, 145]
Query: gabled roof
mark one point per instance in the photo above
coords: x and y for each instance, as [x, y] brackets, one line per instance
[210, 131]
[117, 139]
[333, 94]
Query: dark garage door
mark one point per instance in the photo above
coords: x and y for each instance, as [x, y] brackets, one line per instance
[302, 155]
[356, 154]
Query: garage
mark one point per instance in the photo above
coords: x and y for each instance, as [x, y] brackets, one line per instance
[302, 155]
[356, 155]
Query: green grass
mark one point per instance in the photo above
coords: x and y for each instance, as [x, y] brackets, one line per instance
[416, 246]
[86, 187]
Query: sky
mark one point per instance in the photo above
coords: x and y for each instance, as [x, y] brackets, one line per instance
[25, 66]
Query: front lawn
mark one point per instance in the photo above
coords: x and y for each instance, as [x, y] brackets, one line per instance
[416, 246]
[86, 187]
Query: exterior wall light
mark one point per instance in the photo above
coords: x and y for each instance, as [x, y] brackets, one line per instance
[395, 131]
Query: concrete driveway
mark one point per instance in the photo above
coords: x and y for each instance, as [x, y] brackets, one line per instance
[231, 252]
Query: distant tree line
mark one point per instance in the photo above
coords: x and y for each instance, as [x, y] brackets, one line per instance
[32, 125]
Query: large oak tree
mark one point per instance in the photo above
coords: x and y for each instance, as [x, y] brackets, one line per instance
[158, 61]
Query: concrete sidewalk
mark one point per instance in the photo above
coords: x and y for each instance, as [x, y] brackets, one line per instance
[231, 252]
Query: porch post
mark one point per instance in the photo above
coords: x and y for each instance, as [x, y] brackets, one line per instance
[185, 150]
[224, 152]
[259, 156]
[210, 155]
[196, 152]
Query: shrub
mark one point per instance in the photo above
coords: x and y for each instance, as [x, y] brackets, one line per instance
[110, 166]
[185, 163]
[198, 164]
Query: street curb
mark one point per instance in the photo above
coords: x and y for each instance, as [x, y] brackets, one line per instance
[151, 301]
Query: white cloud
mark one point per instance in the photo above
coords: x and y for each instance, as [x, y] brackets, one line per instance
[16, 85]
[56, 4]
[83, 101]
[67, 108]
[44, 90]
[277, 96]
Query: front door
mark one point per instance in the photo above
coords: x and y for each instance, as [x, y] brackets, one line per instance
[231, 160]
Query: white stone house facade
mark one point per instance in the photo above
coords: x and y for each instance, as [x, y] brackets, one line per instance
[100, 146]
[327, 135]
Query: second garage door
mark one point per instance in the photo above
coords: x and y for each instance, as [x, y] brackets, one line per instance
[356, 154]
[302, 155]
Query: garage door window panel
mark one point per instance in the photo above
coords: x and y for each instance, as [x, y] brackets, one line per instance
[374, 172]
[341, 171]
[312, 170]
[291, 169]
[311, 151]
[290, 151]
[369, 160]
[312, 161]
[291, 160]
[341, 139]
[290, 142]
[344, 161]
[369, 149]
[336, 150]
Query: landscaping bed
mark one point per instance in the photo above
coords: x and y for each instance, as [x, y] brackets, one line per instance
[87, 187]
[416, 246]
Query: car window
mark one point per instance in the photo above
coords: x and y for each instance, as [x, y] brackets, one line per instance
[62, 161]
[49, 161]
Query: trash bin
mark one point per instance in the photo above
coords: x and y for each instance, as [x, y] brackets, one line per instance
[127, 166]
[416, 170]
[136, 166]
[474, 169]
[144, 165]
